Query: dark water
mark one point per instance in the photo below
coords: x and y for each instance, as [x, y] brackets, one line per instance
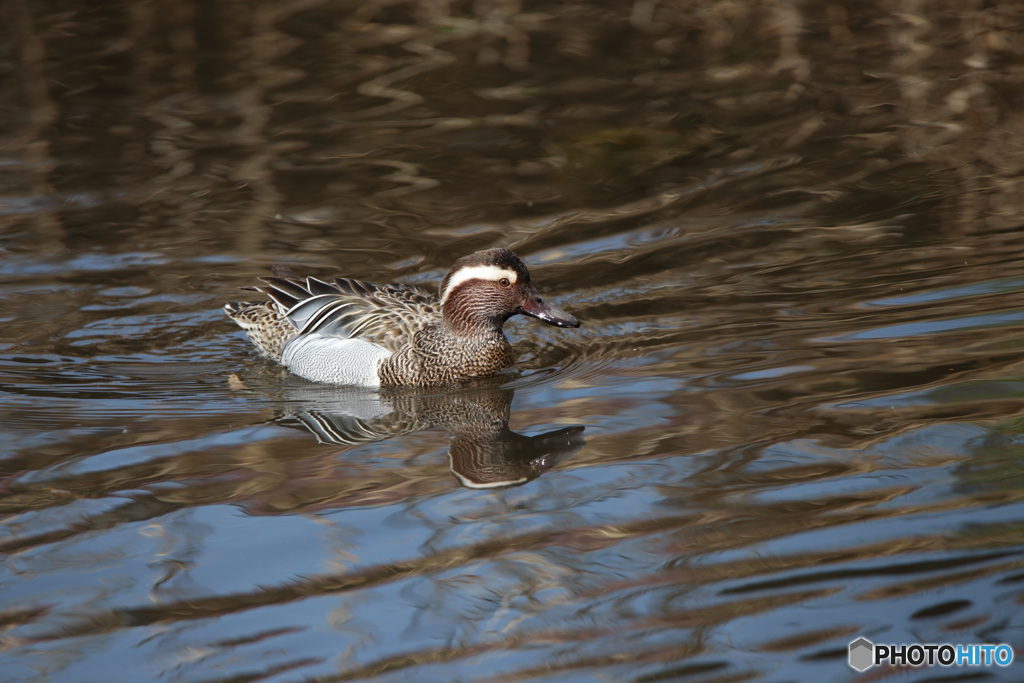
[792, 417]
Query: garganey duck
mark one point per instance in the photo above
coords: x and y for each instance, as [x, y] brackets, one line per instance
[353, 332]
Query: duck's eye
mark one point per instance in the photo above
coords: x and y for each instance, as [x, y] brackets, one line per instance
[504, 282]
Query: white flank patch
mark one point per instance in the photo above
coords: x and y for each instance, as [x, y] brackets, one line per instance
[334, 360]
[493, 273]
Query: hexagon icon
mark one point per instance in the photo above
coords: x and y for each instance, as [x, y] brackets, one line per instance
[862, 654]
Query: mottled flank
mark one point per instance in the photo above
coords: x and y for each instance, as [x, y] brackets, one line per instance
[268, 329]
[353, 332]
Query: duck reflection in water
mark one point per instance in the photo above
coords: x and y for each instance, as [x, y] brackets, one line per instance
[483, 453]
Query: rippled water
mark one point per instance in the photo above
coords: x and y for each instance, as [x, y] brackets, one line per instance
[791, 417]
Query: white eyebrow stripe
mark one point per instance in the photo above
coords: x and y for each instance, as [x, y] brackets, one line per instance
[494, 273]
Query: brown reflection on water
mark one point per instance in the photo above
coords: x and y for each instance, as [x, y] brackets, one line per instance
[792, 233]
[204, 114]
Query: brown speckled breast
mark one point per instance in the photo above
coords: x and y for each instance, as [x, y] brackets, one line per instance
[437, 356]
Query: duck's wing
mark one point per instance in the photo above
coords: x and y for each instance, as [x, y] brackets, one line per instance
[353, 309]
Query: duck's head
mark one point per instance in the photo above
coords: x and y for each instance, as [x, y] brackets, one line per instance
[489, 287]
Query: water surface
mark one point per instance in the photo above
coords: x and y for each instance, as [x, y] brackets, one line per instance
[791, 417]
